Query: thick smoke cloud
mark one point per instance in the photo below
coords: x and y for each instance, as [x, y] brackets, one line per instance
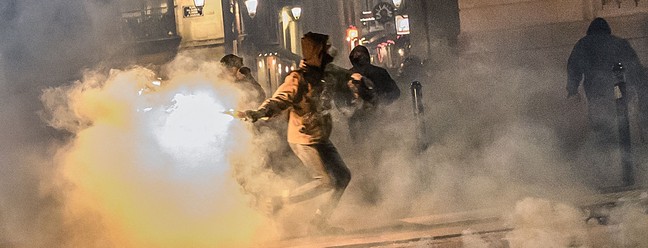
[156, 168]
[41, 43]
[488, 144]
[500, 131]
[542, 223]
[56, 174]
[95, 175]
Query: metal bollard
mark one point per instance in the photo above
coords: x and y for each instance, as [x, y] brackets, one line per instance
[417, 104]
[625, 143]
[417, 96]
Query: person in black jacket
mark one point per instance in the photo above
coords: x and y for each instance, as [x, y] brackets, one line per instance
[592, 61]
[368, 119]
[386, 91]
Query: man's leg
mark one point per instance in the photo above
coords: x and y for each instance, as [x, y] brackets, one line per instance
[326, 168]
[329, 172]
[340, 177]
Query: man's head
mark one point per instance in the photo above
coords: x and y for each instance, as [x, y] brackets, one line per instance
[314, 47]
[232, 63]
[599, 26]
[360, 56]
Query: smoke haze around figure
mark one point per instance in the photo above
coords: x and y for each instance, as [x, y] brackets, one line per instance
[501, 137]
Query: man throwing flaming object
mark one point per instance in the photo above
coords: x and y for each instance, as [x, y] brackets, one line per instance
[308, 97]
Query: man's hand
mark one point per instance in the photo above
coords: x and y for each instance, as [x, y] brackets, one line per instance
[254, 115]
[353, 85]
[356, 76]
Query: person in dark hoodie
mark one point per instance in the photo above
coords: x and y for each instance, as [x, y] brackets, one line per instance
[386, 91]
[308, 97]
[369, 120]
[592, 61]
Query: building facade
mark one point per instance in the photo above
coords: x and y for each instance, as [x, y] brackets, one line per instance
[394, 30]
[554, 25]
[475, 26]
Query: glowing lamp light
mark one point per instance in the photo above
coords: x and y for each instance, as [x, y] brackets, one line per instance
[401, 52]
[199, 5]
[296, 12]
[352, 33]
[397, 3]
[251, 6]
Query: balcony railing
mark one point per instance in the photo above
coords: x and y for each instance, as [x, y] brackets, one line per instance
[148, 24]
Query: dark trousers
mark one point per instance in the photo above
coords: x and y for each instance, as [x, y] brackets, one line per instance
[328, 172]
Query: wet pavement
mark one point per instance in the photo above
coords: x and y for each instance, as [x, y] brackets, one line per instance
[454, 229]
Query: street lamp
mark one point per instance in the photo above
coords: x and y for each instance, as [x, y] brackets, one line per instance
[296, 12]
[199, 5]
[251, 6]
[397, 3]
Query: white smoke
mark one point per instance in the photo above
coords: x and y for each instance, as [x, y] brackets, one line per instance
[472, 240]
[499, 131]
[157, 168]
[631, 220]
[543, 223]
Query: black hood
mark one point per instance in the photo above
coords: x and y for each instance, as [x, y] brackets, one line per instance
[599, 26]
[314, 47]
[359, 56]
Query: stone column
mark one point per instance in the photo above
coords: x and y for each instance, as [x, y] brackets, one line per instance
[419, 36]
[434, 26]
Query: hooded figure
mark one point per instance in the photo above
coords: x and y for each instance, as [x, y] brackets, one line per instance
[386, 89]
[384, 92]
[591, 61]
[308, 97]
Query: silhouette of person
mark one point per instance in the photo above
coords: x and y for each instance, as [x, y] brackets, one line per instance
[591, 62]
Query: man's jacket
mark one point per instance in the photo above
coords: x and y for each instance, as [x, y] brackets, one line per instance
[304, 91]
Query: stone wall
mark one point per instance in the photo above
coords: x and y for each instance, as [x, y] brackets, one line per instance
[502, 26]
[202, 30]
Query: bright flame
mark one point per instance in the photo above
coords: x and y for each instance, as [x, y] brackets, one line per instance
[161, 177]
[195, 124]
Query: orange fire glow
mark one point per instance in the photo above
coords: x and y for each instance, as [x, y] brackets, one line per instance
[159, 178]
